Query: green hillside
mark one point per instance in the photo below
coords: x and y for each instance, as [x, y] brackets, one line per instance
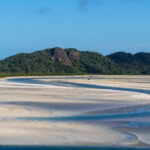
[132, 64]
[58, 60]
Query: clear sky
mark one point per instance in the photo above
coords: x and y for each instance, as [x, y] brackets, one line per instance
[105, 26]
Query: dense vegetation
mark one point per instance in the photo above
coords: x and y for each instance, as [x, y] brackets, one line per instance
[58, 61]
[132, 64]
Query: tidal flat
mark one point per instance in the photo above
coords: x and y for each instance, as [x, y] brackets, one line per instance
[91, 110]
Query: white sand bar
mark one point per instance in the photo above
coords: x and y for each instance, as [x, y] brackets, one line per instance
[61, 110]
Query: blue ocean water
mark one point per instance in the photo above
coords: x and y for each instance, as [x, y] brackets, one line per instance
[69, 148]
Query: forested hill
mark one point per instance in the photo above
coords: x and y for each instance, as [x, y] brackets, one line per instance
[58, 60]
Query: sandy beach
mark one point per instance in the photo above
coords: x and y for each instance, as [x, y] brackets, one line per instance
[75, 110]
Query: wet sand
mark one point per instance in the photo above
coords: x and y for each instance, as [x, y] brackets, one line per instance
[75, 110]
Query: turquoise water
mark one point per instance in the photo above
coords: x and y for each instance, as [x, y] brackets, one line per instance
[69, 148]
[87, 117]
[137, 124]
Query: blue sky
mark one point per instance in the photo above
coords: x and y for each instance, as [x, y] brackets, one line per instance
[105, 26]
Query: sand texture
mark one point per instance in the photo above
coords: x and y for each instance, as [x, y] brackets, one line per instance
[75, 110]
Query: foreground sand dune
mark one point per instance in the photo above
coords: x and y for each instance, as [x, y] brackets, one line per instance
[87, 110]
